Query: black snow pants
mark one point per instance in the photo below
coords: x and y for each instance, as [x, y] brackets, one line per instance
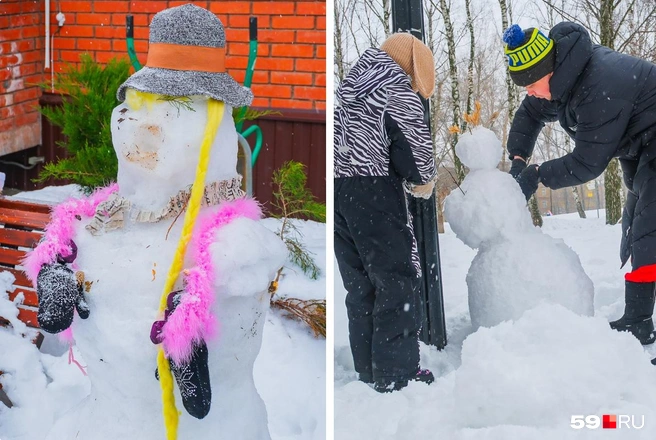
[639, 216]
[373, 247]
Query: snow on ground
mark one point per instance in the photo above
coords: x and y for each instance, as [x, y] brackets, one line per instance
[289, 373]
[517, 380]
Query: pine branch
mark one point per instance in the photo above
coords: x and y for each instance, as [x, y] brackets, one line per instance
[178, 102]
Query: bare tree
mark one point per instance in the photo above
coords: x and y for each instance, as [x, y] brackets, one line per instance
[338, 39]
[554, 142]
[444, 10]
[512, 92]
[472, 57]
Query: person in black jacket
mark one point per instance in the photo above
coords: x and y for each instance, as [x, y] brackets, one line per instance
[383, 152]
[605, 101]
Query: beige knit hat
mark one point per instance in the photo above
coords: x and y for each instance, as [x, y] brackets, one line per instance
[415, 58]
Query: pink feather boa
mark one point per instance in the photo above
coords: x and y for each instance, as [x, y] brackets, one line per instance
[192, 321]
[59, 232]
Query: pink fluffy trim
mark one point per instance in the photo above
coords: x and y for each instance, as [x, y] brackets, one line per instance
[60, 230]
[192, 321]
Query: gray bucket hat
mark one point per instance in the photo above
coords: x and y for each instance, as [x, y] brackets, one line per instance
[186, 57]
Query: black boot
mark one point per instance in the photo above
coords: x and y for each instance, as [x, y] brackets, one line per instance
[638, 310]
[387, 386]
[367, 378]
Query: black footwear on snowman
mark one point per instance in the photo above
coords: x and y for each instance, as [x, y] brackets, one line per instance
[59, 293]
[388, 386]
[638, 310]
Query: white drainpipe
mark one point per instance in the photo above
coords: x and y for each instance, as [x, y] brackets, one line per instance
[47, 63]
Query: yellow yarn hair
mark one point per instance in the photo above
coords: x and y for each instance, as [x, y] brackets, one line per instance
[135, 99]
[214, 116]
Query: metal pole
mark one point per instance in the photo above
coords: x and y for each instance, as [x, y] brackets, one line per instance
[408, 15]
[597, 191]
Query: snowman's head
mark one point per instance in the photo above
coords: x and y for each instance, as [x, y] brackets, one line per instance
[489, 204]
[158, 129]
[157, 140]
[480, 149]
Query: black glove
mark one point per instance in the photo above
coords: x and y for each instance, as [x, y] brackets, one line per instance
[517, 167]
[528, 180]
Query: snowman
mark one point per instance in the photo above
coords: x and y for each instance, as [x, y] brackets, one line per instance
[517, 266]
[162, 279]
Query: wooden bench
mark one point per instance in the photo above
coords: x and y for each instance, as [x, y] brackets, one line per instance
[21, 228]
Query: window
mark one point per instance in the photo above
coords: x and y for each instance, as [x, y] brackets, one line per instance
[544, 191]
[544, 204]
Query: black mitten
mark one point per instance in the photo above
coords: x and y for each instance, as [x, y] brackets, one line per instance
[517, 167]
[528, 180]
[193, 377]
[193, 380]
[58, 292]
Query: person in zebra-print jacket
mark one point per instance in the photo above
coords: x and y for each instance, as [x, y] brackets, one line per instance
[383, 154]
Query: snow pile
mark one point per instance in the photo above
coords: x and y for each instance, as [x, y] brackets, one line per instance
[561, 364]
[41, 387]
[515, 264]
[23, 378]
[522, 379]
[8, 309]
[50, 195]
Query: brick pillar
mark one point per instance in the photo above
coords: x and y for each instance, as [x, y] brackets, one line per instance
[21, 65]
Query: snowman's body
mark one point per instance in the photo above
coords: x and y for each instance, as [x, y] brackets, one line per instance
[128, 267]
[517, 266]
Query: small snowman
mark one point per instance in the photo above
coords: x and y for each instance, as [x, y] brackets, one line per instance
[170, 267]
[517, 266]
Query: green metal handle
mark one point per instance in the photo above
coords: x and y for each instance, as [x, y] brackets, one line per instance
[252, 56]
[258, 141]
[129, 39]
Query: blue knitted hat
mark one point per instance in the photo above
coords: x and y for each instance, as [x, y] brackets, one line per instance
[531, 54]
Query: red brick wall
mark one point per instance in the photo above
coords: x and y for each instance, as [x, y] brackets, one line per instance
[290, 71]
[21, 65]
